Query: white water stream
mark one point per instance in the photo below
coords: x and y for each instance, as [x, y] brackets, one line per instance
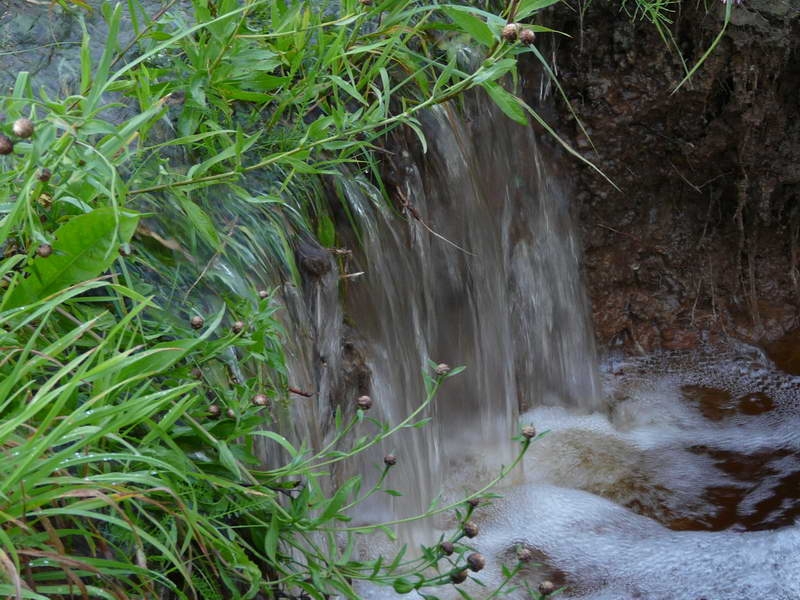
[677, 480]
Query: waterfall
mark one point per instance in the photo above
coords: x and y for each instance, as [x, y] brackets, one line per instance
[497, 288]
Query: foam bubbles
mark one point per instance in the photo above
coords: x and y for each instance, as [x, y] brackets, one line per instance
[686, 487]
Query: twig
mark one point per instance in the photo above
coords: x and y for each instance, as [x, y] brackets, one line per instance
[412, 210]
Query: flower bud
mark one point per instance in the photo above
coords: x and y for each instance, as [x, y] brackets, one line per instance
[510, 32]
[44, 250]
[470, 529]
[546, 588]
[214, 410]
[527, 37]
[23, 128]
[263, 294]
[476, 562]
[390, 460]
[231, 414]
[524, 554]
[44, 175]
[260, 400]
[459, 576]
[197, 322]
[447, 548]
[6, 145]
[364, 402]
[529, 431]
[442, 369]
[474, 502]
[237, 327]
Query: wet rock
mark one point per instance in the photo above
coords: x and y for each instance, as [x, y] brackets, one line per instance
[312, 258]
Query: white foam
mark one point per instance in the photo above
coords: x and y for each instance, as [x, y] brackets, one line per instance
[654, 451]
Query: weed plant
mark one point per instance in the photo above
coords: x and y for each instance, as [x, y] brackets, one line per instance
[137, 376]
[129, 443]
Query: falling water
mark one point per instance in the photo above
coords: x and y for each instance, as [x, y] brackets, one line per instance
[481, 271]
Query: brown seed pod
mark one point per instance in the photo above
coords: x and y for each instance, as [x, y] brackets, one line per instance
[390, 460]
[197, 322]
[44, 175]
[260, 400]
[546, 588]
[238, 327]
[364, 402]
[459, 576]
[447, 548]
[442, 369]
[44, 250]
[528, 432]
[476, 562]
[524, 554]
[214, 410]
[510, 32]
[527, 37]
[6, 145]
[470, 529]
[23, 128]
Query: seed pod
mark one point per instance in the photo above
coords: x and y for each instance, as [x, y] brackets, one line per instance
[528, 432]
[442, 369]
[524, 554]
[23, 128]
[546, 588]
[44, 250]
[260, 400]
[364, 402]
[263, 294]
[527, 37]
[214, 410]
[476, 562]
[447, 548]
[197, 322]
[459, 576]
[6, 145]
[470, 529]
[238, 327]
[390, 460]
[510, 32]
[44, 175]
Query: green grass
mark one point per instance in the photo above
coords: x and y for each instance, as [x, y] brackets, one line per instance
[130, 453]
[130, 446]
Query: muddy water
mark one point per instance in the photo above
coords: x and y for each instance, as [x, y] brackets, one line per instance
[687, 487]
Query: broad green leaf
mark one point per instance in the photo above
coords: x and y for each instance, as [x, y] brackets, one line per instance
[84, 247]
[471, 24]
[506, 101]
[528, 7]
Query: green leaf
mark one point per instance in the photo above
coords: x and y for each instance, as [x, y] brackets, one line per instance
[84, 247]
[506, 101]
[471, 24]
[326, 232]
[528, 7]
[201, 222]
[271, 539]
[402, 585]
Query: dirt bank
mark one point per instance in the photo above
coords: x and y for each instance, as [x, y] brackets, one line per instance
[701, 240]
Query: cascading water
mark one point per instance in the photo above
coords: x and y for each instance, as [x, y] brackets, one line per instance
[496, 288]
